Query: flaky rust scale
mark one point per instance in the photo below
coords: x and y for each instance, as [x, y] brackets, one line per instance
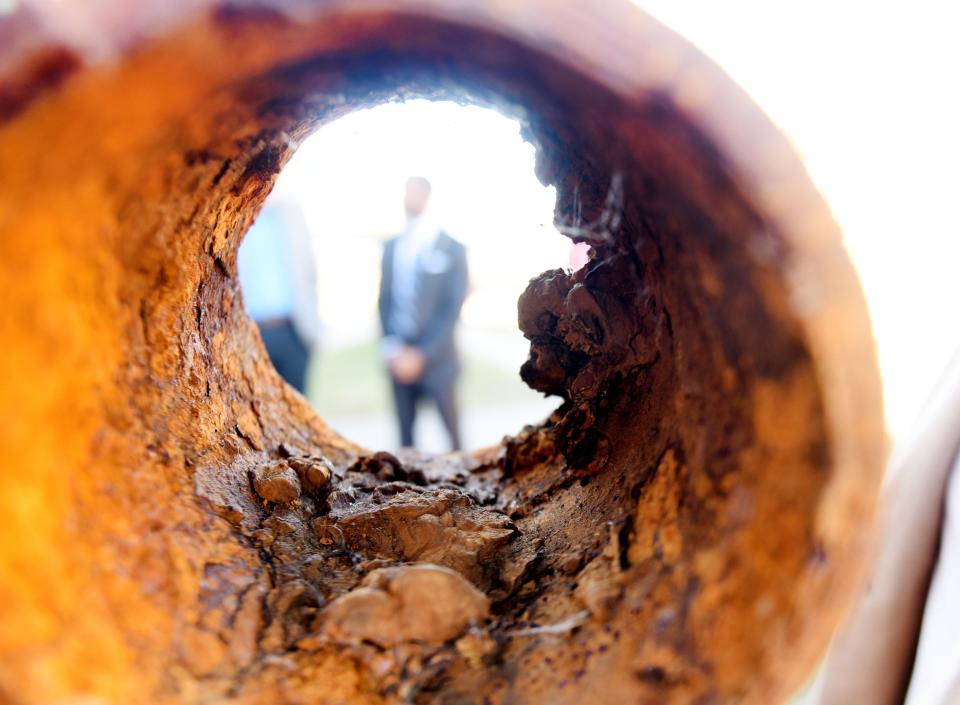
[179, 527]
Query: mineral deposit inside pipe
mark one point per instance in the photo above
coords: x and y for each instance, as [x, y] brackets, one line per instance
[181, 527]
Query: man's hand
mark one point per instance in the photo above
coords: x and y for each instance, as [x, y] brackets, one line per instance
[407, 366]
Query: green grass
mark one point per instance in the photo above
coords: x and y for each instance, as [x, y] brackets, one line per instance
[352, 380]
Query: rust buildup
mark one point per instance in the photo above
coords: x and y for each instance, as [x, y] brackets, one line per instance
[178, 526]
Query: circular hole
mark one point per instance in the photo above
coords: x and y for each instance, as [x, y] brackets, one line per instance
[672, 350]
[311, 270]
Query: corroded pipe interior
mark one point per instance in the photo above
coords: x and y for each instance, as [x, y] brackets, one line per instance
[184, 527]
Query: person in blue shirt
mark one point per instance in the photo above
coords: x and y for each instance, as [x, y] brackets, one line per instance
[278, 280]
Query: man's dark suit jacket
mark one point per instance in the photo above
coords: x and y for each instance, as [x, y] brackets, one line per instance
[440, 285]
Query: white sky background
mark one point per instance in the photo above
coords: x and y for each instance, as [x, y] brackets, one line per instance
[867, 92]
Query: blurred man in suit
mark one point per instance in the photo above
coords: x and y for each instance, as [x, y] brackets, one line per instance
[422, 286]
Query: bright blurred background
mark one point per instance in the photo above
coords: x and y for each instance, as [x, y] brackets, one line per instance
[348, 179]
[867, 94]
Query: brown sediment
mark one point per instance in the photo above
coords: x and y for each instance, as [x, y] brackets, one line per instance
[181, 527]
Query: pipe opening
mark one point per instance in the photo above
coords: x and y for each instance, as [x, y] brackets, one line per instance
[670, 350]
[315, 277]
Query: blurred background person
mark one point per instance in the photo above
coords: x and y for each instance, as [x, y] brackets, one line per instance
[278, 278]
[423, 284]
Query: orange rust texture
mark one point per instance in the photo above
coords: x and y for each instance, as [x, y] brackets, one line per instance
[684, 529]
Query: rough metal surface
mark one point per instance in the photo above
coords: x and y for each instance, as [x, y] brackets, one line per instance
[179, 527]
